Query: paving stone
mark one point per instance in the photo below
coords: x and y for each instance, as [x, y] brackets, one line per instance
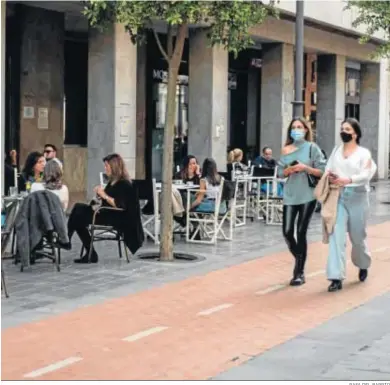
[222, 320]
[353, 346]
[112, 275]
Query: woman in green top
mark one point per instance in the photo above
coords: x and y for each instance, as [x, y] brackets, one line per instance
[301, 158]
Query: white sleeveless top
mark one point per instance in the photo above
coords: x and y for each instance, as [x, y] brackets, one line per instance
[212, 191]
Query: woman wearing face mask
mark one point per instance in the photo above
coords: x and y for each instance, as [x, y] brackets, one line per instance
[300, 158]
[351, 168]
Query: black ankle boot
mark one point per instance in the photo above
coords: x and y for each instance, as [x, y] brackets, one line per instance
[84, 258]
[336, 285]
[298, 278]
[363, 273]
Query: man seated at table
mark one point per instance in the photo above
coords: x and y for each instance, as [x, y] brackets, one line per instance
[265, 160]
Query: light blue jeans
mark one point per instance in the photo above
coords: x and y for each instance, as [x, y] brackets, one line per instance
[208, 205]
[352, 213]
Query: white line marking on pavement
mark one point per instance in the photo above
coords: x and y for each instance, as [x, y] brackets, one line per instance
[271, 289]
[315, 273]
[381, 249]
[53, 367]
[145, 333]
[215, 309]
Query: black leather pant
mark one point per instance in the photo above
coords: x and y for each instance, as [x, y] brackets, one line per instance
[298, 247]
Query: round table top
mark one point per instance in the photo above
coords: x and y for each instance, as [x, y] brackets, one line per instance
[180, 186]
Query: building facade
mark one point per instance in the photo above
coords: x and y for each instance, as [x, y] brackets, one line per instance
[92, 93]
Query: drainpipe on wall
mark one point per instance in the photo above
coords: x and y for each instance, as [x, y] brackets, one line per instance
[298, 103]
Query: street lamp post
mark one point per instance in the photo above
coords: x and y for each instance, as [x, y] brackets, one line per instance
[298, 103]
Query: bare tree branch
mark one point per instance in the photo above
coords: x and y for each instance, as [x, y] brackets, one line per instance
[158, 41]
[179, 45]
[170, 41]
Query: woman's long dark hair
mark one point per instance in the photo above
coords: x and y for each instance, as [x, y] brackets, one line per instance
[186, 163]
[31, 161]
[118, 168]
[309, 132]
[354, 123]
[209, 172]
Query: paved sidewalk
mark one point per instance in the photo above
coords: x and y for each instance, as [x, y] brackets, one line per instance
[353, 346]
[195, 328]
[43, 292]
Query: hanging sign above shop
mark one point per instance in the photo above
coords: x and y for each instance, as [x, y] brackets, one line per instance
[256, 62]
[162, 76]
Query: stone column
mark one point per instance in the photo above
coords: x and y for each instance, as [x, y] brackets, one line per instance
[277, 85]
[330, 100]
[3, 21]
[370, 98]
[208, 98]
[112, 81]
[41, 80]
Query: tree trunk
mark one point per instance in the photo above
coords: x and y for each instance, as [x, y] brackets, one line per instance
[166, 245]
[166, 231]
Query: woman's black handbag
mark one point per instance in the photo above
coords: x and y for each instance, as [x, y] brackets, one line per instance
[312, 180]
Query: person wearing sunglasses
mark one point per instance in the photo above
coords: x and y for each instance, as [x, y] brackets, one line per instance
[50, 152]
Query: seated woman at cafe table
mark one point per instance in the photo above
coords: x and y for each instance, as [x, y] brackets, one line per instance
[190, 172]
[234, 163]
[52, 181]
[119, 193]
[209, 189]
[32, 171]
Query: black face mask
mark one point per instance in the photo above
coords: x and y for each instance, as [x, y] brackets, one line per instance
[345, 137]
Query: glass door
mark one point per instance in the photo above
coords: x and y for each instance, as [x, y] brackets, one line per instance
[181, 127]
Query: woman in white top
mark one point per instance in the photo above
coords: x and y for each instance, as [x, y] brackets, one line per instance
[210, 187]
[52, 181]
[351, 168]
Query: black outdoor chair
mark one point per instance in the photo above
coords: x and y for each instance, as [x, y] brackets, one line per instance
[6, 234]
[147, 192]
[105, 233]
[226, 175]
[48, 248]
[5, 237]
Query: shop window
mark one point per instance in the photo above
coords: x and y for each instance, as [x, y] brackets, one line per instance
[76, 91]
[352, 82]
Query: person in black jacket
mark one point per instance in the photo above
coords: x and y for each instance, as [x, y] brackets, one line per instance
[266, 160]
[120, 193]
